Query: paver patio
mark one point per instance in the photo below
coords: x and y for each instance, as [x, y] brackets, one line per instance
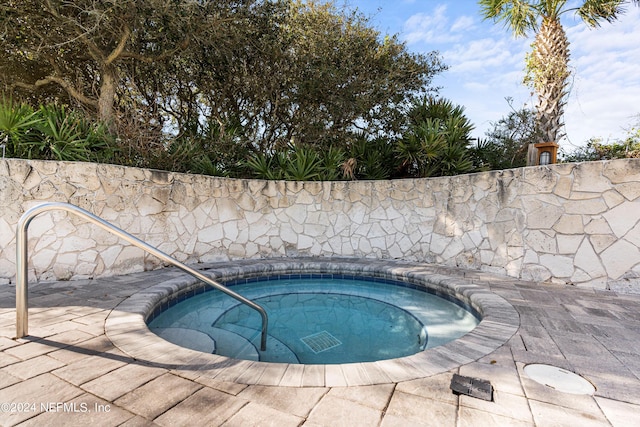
[67, 372]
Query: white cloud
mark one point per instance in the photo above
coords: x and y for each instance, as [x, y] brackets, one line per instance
[486, 64]
[605, 90]
[463, 23]
[428, 27]
[436, 27]
[483, 55]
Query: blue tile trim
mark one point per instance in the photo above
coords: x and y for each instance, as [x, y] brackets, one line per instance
[254, 277]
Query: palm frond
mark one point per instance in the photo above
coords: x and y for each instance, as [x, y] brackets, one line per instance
[519, 16]
[593, 12]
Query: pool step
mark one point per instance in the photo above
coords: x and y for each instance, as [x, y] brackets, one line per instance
[233, 344]
[189, 338]
[276, 350]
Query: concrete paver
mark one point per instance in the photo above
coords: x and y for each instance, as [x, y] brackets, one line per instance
[296, 401]
[68, 363]
[255, 414]
[373, 396]
[619, 414]
[334, 411]
[435, 387]
[6, 379]
[418, 410]
[87, 369]
[470, 417]
[508, 405]
[33, 367]
[155, 397]
[25, 399]
[547, 414]
[207, 407]
[118, 382]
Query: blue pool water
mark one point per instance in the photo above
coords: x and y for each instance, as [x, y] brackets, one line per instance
[315, 321]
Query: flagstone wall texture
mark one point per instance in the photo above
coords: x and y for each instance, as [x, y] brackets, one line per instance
[572, 223]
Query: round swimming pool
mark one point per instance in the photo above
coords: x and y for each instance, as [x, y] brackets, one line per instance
[316, 320]
[127, 325]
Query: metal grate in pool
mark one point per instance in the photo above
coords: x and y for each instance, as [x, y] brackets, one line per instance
[322, 341]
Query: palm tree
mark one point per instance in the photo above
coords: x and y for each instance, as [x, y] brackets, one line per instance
[547, 64]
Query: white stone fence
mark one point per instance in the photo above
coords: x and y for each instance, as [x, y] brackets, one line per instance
[572, 223]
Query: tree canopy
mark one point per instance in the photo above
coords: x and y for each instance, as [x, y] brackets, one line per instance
[256, 74]
[81, 46]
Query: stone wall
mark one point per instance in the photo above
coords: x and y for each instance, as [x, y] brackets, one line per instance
[571, 223]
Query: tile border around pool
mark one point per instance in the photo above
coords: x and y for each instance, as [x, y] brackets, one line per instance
[127, 329]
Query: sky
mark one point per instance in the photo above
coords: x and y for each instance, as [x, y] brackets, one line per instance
[486, 63]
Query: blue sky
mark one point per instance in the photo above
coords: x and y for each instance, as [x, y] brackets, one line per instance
[486, 63]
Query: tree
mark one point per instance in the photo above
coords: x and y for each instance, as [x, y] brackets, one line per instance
[436, 141]
[312, 74]
[547, 65]
[81, 47]
[205, 83]
[505, 146]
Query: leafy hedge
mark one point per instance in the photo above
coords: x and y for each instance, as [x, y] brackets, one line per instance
[435, 141]
[53, 132]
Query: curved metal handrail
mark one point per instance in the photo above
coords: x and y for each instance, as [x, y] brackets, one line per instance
[22, 315]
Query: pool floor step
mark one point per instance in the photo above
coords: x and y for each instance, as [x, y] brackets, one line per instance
[276, 350]
[189, 338]
[233, 344]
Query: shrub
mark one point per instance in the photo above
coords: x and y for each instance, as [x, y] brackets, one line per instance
[595, 150]
[436, 141]
[53, 132]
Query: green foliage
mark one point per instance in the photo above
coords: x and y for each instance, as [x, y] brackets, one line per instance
[331, 164]
[204, 148]
[303, 165]
[222, 87]
[53, 133]
[436, 141]
[265, 72]
[362, 159]
[296, 163]
[372, 158]
[595, 149]
[17, 124]
[67, 135]
[265, 167]
[506, 145]
[420, 147]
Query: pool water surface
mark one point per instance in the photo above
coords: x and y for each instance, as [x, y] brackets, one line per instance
[316, 321]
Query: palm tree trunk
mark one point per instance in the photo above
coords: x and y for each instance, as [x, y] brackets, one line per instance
[549, 65]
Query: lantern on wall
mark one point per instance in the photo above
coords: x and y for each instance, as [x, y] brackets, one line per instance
[547, 153]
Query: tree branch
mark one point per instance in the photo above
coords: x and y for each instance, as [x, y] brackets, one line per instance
[120, 48]
[81, 33]
[63, 83]
[151, 59]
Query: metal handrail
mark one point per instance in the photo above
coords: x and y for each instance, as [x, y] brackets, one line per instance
[22, 315]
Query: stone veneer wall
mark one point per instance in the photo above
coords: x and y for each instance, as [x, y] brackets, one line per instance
[570, 223]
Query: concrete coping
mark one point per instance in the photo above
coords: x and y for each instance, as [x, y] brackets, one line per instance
[126, 326]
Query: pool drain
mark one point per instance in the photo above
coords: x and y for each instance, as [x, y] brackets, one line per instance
[559, 379]
[322, 341]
